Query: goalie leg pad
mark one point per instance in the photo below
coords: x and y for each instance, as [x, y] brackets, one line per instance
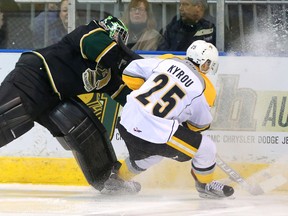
[14, 121]
[87, 138]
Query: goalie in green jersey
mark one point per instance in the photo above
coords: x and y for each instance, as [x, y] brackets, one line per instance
[44, 85]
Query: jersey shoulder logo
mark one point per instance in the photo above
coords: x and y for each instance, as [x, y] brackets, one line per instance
[96, 79]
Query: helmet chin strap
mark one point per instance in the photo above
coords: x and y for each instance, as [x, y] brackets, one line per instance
[199, 67]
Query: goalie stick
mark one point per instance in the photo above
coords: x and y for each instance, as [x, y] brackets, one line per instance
[236, 177]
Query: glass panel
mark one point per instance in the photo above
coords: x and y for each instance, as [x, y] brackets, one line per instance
[258, 27]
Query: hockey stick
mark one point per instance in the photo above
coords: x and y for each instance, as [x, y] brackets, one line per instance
[236, 177]
[271, 181]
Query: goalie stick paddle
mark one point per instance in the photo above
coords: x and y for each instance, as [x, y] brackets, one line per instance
[236, 177]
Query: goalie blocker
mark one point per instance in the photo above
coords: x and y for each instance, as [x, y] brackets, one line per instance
[87, 138]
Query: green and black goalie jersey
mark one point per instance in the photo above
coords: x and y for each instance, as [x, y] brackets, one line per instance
[85, 60]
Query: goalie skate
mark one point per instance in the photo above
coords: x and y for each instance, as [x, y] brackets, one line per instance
[214, 190]
[116, 186]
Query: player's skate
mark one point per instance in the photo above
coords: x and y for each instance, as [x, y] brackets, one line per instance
[213, 190]
[117, 186]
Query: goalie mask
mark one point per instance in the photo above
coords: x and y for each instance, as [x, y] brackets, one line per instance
[115, 27]
[201, 52]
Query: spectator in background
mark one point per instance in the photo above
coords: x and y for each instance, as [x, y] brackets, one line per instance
[191, 26]
[141, 25]
[3, 30]
[14, 30]
[59, 27]
[39, 22]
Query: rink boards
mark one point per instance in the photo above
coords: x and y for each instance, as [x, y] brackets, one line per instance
[250, 129]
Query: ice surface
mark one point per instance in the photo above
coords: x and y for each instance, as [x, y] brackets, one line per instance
[47, 200]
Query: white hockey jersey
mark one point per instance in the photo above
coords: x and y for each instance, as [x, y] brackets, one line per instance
[173, 93]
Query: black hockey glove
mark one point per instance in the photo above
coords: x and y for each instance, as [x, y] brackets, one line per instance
[127, 55]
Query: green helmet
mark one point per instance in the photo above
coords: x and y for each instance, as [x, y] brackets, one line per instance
[115, 27]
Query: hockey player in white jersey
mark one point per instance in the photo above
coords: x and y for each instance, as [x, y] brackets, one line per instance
[164, 115]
